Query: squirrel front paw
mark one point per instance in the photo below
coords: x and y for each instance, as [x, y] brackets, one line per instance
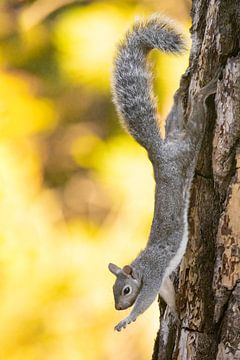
[123, 323]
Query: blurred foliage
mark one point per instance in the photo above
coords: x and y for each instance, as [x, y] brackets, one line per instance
[76, 191]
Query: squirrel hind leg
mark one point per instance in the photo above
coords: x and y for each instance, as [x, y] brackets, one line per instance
[167, 292]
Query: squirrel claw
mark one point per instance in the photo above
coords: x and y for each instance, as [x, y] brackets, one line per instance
[122, 324]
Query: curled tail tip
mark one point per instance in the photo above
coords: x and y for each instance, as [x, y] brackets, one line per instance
[158, 31]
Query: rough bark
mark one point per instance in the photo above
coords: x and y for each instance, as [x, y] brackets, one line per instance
[207, 284]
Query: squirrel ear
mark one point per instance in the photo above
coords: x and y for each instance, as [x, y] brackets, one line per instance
[127, 269]
[114, 269]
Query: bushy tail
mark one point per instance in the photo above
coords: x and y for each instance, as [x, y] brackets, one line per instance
[132, 83]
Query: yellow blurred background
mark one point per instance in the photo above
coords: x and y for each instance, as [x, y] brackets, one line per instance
[76, 191]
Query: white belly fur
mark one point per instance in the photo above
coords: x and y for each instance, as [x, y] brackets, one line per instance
[175, 261]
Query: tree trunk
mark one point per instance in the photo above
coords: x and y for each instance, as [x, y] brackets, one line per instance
[207, 284]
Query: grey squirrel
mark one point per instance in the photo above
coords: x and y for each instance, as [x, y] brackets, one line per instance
[173, 159]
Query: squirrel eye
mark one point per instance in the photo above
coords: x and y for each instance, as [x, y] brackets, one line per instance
[126, 290]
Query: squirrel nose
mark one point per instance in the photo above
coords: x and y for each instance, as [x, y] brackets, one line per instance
[118, 307]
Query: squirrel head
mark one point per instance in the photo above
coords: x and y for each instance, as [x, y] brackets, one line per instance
[126, 287]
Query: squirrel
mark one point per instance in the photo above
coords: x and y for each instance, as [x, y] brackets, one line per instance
[173, 158]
